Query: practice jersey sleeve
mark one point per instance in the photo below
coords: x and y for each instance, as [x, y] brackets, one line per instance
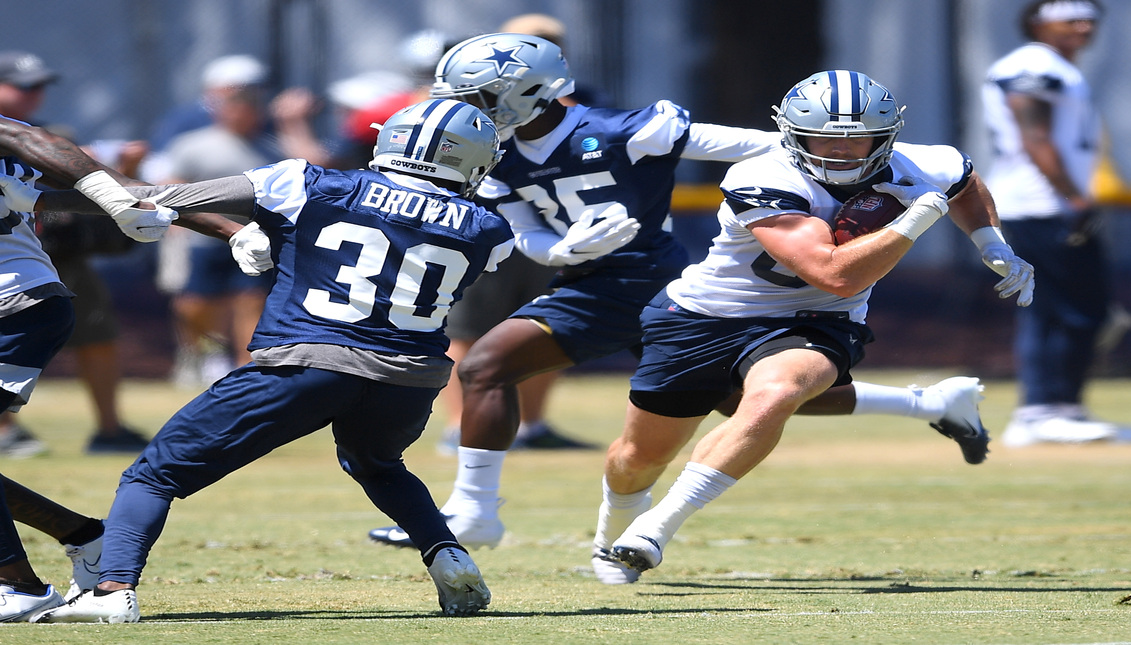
[947, 167]
[665, 128]
[1040, 76]
[710, 142]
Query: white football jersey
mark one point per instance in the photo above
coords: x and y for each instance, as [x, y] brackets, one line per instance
[23, 263]
[1018, 187]
[739, 279]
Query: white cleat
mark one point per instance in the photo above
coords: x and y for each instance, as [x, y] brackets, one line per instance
[115, 607]
[17, 606]
[638, 552]
[1019, 434]
[85, 561]
[961, 420]
[458, 582]
[611, 571]
[471, 532]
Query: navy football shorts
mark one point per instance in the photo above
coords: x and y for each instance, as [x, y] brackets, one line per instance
[254, 410]
[28, 340]
[697, 361]
[595, 316]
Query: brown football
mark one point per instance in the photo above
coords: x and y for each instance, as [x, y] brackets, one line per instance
[866, 211]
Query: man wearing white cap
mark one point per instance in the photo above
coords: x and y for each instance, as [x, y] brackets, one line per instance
[218, 77]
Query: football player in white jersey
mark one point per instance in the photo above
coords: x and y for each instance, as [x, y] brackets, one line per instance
[1045, 134]
[36, 318]
[368, 262]
[588, 190]
[777, 309]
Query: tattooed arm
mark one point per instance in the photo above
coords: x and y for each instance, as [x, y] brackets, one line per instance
[56, 157]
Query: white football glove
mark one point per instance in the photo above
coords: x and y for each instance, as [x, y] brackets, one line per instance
[18, 196]
[924, 203]
[1017, 274]
[585, 241]
[908, 189]
[146, 225]
[251, 249]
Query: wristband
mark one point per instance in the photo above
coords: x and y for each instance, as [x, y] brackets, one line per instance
[104, 191]
[916, 220]
[986, 236]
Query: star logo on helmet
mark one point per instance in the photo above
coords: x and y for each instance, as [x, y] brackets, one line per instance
[501, 58]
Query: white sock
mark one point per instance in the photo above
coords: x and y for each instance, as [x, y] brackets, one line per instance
[617, 512]
[917, 403]
[693, 489]
[476, 490]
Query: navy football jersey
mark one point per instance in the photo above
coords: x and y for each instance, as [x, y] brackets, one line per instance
[597, 157]
[366, 262]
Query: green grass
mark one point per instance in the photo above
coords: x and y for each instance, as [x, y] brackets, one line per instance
[866, 529]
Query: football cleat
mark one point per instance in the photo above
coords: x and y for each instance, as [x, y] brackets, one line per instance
[115, 607]
[611, 571]
[470, 532]
[85, 561]
[541, 436]
[961, 420]
[459, 584]
[1020, 433]
[638, 552]
[17, 606]
[393, 536]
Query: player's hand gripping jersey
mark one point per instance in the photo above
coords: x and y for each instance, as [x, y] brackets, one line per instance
[739, 279]
[341, 277]
[601, 161]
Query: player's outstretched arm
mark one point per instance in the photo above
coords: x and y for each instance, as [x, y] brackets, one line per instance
[974, 212]
[51, 154]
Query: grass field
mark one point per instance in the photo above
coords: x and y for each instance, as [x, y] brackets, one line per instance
[857, 529]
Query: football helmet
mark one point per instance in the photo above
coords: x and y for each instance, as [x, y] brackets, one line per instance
[439, 139]
[839, 103]
[512, 77]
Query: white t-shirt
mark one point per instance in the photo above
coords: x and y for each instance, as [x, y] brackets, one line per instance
[1018, 187]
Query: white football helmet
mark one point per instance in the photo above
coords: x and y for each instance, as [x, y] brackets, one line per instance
[839, 103]
[512, 77]
[439, 139]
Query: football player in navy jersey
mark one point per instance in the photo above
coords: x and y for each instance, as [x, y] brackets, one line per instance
[777, 309]
[587, 190]
[36, 318]
[367, 264]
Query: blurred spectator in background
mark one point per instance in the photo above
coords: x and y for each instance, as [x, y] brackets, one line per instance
[350, 95]
[216, 306]
[553, 30]
[1046, 136]
[70, 239]
[417, 56]
[216, 80]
